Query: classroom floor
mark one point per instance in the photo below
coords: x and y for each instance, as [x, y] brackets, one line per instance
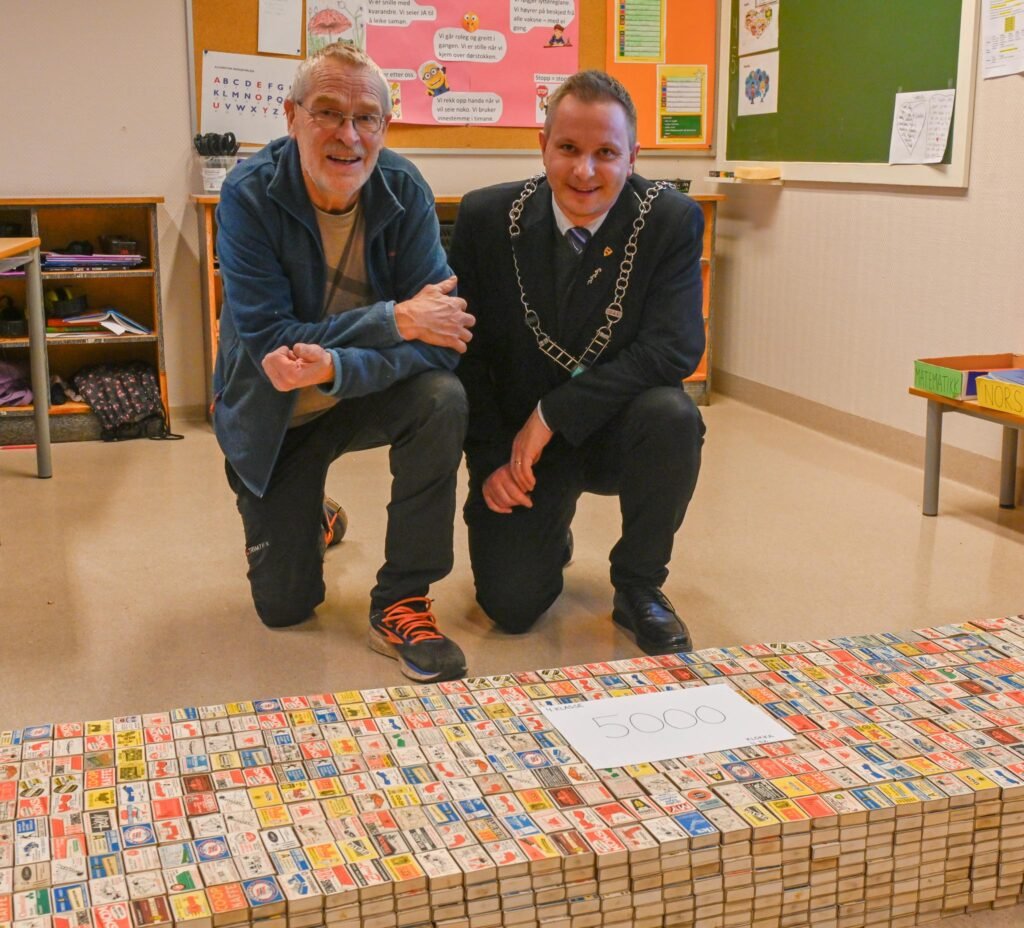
[123, 590]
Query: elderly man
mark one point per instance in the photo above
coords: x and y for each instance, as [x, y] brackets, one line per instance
[586, 286]
[339, 332]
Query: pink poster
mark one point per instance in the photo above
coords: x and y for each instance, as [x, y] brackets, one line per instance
[473, 62]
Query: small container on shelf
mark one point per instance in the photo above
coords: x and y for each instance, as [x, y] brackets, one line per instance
[119, 245]
[12, 320]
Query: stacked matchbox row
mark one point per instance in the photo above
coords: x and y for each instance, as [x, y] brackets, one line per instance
[899, 799]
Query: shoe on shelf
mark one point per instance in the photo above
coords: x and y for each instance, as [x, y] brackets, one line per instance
[646, 612]
[334, 521]
[407, 631]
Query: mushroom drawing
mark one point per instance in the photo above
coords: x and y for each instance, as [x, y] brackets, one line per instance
[329, 23]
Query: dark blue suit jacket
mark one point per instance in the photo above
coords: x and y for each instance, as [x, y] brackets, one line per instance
[658, 341]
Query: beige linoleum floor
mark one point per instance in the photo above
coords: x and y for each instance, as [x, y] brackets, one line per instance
[123, 590]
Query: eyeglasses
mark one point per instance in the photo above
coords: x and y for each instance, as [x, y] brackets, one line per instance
[365, 123]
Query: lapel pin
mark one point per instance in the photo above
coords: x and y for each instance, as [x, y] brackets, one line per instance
[607, 250]
[593, 276]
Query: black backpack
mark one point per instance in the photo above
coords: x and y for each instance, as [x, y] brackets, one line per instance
[126, 399]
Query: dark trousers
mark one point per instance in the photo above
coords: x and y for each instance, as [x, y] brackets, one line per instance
[648, 455]
[423, 420]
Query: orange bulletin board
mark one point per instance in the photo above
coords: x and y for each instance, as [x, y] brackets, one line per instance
[231, 26]
[687, 49]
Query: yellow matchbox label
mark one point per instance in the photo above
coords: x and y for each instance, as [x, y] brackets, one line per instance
[226, 760]
[129, 772]
[403, 867]
[190, 906]
[975, 779]
[324, 855]
[274, 816]
[263, 796]
[329, 788]
[792, 787]
[338, 805]
[129, 738]
[357, 849]
[100, 799]
[786, 810]
[402, 796]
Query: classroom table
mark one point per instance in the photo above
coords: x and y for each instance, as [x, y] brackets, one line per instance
[16, 247]
[937, 407]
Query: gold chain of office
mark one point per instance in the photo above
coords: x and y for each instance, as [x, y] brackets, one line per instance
[612, 314]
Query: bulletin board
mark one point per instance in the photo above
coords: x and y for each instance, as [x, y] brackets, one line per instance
[688, 43]
[231, 26]
[840, 65]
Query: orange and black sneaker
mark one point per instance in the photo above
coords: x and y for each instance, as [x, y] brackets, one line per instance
[407, 631]
[334, 522]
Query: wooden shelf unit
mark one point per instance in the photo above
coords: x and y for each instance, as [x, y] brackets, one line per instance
[698, 384]
[135, 292]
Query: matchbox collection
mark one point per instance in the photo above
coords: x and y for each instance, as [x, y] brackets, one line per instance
[899, 799]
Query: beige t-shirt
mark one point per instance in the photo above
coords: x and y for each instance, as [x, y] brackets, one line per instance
[344, 241]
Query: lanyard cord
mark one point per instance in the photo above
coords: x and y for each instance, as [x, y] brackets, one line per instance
[613, 312]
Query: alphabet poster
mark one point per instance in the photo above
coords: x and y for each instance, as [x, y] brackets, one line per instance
[463, 62]
[245, 94]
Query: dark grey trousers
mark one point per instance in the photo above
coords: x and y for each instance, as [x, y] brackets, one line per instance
[648, 455]
[423, 421]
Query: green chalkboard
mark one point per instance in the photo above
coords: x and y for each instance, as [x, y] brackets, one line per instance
[840, 65]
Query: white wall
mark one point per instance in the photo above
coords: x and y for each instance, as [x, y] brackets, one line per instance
[826, 292]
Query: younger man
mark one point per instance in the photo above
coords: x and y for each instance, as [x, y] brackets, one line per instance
[586, 285]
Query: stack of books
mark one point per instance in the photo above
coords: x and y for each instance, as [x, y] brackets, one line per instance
[104, 322]
[54, 261]
[899, 799]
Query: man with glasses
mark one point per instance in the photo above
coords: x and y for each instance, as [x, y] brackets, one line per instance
[339, 332]
[586, 284]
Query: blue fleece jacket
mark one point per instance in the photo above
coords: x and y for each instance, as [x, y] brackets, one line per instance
[274, 275]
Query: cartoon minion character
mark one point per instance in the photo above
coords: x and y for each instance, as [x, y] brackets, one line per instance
[434, 79]
[470, 22]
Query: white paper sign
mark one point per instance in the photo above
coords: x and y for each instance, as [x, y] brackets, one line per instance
[758, 86]
[758, 26]
[1003, 32]
[920, 126]
[279, 30]
[656, 726]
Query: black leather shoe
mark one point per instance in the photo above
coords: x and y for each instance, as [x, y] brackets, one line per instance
[569, 546]
[646, 612]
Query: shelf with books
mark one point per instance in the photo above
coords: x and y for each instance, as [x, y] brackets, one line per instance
[80, 338]
[121, 234]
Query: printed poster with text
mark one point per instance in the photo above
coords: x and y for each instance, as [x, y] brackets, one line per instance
[460, 62]
[663, 51]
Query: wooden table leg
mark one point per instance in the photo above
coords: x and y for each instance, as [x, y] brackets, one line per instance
[932, 459]
[1008, 472]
